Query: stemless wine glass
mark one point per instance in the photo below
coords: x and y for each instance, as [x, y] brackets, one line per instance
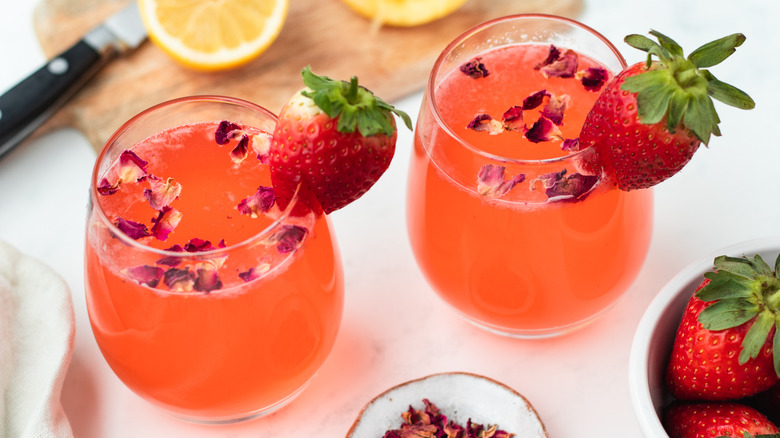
[205, 297]
[509, 220]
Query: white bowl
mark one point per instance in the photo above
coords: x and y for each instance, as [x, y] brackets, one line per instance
[459, 396]
[654, 336]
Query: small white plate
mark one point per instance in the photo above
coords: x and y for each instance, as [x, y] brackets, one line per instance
[655, 333]
[459, 396]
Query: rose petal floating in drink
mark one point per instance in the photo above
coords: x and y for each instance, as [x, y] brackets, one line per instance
[571, 188]
[290, 236]
[132, 229]
[241, 151]
[254, 272]
[475, 69]
[179, 280]
[261, 144]
[207, 278]
[592, 78]
[161, 193]
[260, 202]
[535, 99]
[226, 131]
[548, 179]
[145, 274]
[492, 182]
[571, 144]
[485, 123]
[200, 245]
[165, 222]
[128, 168]
[512, 120]
[565, 66]
[543, 130]
[172, 261]
[552, 55]
[555, 108]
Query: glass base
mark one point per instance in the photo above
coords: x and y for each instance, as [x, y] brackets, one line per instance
[244, 417]
[538, 333]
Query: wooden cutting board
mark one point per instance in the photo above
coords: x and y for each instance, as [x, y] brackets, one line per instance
[324, 34]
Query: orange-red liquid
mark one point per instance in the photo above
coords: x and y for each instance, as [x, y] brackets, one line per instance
[517, 265]
[232, 352]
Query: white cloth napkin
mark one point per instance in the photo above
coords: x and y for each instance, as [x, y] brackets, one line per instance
[36, 340]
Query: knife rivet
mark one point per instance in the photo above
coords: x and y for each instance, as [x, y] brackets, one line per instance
[58, 66]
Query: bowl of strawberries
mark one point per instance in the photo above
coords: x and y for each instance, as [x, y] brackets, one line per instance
[705, 360]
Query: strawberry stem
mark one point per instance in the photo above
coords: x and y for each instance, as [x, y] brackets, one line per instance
[680, 87]
[356, 107]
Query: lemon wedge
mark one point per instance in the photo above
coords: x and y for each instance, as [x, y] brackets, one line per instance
[213, 34]
[404, 13]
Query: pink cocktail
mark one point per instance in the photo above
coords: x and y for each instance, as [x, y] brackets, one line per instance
[510, 222]
[205, 297]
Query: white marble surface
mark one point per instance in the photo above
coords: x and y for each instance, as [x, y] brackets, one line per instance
[394, 327]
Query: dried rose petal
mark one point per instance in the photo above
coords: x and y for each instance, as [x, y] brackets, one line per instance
[555, 108]
[485, 123]
[129, 168]
[172, 261]
[543, 130]
[548, 179]
[571, 188]
[165, 222]
[534, 100]
[106, 188]
[240, 152]
[552, 55]
[593, 78]
[179, 280]
[571, 144]
[254, 272]
[207, 278]
[161, 193]
[145, 274]
[475, 69]
[289, 237]
[492, 182]
[430, 423]
[563, 67]
[260, 202]
[225, 132]
[261, 144]
[512, 120]
[134, 230]
[198, 245]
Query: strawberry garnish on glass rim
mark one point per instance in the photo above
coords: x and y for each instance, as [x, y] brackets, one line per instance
[726, 346]
[333, 141]
[652, 116]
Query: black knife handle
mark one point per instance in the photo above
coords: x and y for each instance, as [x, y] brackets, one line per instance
[31, 102]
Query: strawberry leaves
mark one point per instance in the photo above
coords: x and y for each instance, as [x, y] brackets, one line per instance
[680, 88]
[355, 106]
[741, 290]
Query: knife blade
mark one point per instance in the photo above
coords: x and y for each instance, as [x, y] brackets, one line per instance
[25, 106]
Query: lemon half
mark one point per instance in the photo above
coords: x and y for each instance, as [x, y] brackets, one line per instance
[404, 12]
[213, 34]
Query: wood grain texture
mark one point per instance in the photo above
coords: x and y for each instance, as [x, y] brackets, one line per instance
[324, 34]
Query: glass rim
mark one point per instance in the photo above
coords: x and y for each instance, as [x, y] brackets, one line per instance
[115, 231]
[431, 86]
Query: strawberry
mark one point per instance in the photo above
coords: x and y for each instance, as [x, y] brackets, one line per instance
[651, 117]
[716, 419]
[725, 347]
[334, 139]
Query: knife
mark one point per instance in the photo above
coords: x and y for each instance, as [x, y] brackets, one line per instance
[32, 101]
